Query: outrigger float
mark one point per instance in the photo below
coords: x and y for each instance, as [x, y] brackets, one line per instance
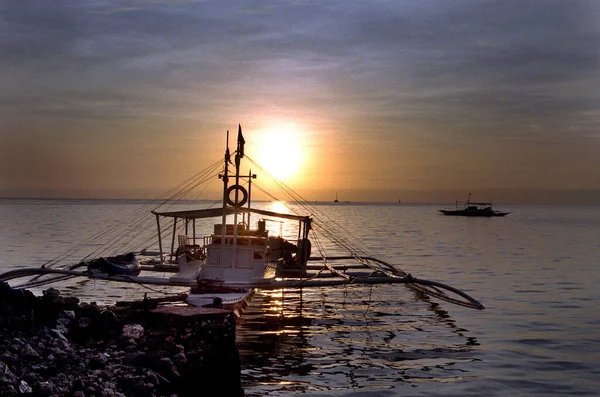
[223, 266]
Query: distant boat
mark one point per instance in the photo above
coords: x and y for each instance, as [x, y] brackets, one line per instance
[336, 199]
[470, 208]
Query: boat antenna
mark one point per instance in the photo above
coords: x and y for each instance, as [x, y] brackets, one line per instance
[225, 175]
[239, 154]
[250, 177]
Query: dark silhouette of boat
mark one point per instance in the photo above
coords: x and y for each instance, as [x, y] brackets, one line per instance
[121, 265]
[470, 208]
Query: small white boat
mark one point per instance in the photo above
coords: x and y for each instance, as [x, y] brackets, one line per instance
[222, 253]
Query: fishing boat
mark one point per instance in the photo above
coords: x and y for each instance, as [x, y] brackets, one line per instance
[471, 208]
[220, 252]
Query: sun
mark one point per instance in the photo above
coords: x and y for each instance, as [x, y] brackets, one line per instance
[281, 150]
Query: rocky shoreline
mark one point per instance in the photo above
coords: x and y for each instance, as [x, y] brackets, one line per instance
[52, 345]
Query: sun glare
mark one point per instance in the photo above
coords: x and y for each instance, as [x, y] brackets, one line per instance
[278, 206]
[281, 151]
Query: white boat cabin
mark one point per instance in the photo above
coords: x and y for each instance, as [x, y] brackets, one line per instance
[236, 254]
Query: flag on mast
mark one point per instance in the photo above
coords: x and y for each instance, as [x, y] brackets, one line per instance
[241, 142]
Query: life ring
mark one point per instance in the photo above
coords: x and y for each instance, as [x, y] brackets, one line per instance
[239, 189]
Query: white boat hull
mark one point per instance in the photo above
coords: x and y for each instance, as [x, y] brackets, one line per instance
[225, 299]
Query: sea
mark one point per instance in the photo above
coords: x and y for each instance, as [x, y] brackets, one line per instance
[536, 271]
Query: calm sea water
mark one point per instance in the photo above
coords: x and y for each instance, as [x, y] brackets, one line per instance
[536, 271]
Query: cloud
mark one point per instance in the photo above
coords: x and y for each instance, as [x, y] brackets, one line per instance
[439, 72]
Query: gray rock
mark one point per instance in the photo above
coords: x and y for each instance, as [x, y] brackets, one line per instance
[84, 322]
[45, 388]
[24, 388]
[168, 367]
[28, 352]
[180, 358]
[132, 331]
[51, 292]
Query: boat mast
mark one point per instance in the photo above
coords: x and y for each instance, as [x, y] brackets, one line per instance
[225, 178]
[239, 153]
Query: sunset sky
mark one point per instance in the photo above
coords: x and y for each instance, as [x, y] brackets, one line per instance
[373, 100]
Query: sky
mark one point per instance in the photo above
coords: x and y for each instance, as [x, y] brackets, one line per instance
[422, 101]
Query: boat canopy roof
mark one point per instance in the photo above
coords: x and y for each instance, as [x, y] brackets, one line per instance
[217, 212]
[473, 203]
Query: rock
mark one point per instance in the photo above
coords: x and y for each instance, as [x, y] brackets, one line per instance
[96, 361]
[180, 358]
[51, 293]
[6, 375]
[10, 391]
[28, 352]
[169, 368]
[84, 322]
[59, 334]
[111, 393]
[62, 324]
[132, 331]
[24, 388]
[46, 342]
[45, 388]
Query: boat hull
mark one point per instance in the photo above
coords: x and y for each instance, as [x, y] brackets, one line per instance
[477, 213]
[225, 300]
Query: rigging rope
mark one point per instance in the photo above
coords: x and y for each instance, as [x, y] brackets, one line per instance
[135, 232]
[132, 227]
[344, 238]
